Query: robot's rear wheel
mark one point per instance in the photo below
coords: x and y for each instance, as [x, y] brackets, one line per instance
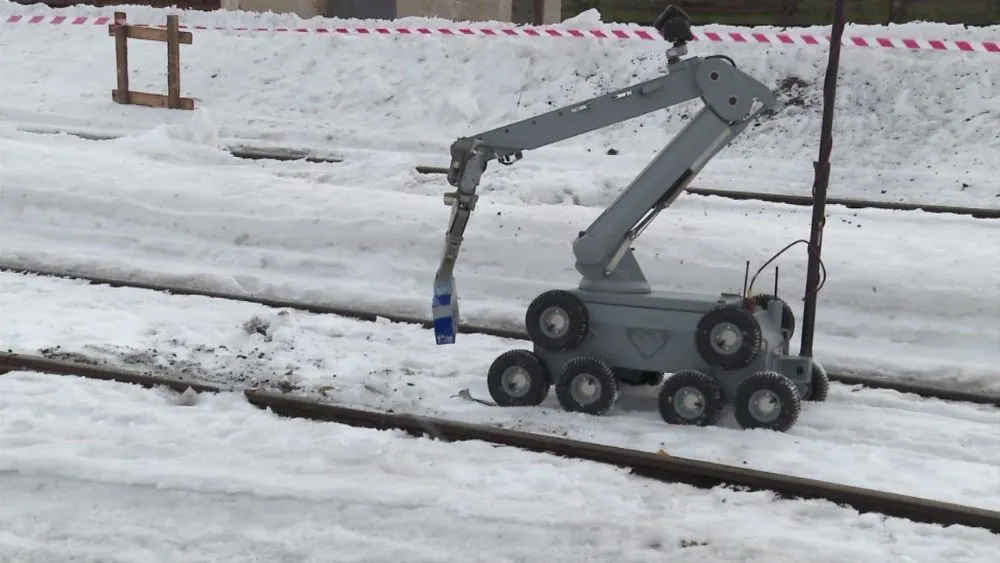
[518, 379]
[728, 337]
[587, 385]
[767, 400]
[691, 398]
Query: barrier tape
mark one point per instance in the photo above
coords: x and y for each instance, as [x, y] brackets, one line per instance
[621, 34]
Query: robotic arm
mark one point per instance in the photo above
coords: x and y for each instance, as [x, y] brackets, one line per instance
[603, 251]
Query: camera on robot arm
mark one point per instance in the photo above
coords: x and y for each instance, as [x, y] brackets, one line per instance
[674, 26]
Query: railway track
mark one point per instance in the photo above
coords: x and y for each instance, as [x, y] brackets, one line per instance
[807, 201]
[655, 466]
[237, 149]
[846, 378]
[247, 151]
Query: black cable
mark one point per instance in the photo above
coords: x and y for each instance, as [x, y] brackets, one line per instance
[782, 251]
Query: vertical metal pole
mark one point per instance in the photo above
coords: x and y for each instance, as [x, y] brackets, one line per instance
[822, 181]
[173, 62]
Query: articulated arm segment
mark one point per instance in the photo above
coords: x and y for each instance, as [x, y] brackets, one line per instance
[468, 162]
[469, 158]
[603, 251]
[596, 113]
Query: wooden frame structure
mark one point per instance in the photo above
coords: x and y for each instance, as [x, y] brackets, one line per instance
[173, 37]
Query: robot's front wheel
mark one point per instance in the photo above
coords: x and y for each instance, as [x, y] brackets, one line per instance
[518, 379]
[767, 400]
[691, 398]
[587, 385]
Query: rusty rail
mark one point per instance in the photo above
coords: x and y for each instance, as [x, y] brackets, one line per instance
[659, 467]
[840, 376]
[807, 201]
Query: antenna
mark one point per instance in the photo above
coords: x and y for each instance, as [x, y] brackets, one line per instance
[746, 279]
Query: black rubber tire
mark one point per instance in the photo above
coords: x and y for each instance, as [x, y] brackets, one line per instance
[784, 390]
[787, 315]
[710, 390]
[819, 385]
[578, 320]
[576, 368]
[537, 388]
[747, 326]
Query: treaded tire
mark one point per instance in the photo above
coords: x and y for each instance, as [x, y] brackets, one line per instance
[746, 328]
[781, 388]
[557, 305]
[787, 315]
[507, 389]
[575, 373]
[711, 399]
[819, 384]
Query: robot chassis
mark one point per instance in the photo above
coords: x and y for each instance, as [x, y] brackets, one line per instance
[613, 328]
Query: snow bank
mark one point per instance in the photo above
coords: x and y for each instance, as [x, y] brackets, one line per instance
[904, 119]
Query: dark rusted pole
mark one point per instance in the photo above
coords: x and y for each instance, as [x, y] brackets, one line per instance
[822, 181]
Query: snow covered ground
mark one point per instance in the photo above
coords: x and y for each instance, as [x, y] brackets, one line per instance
[876, 439]
[222, 481]
[368, 233]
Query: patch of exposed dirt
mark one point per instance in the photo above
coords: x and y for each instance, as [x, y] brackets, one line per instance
[794, 91]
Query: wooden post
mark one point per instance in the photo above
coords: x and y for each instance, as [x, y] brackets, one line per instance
[539, 15]
[173, 37]
[121, 58]
[173, 63]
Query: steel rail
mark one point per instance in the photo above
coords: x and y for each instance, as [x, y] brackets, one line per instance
[94, 369]
[252, 152]
[238, 150]
[664, 468]
[871, 382]
[807, 201]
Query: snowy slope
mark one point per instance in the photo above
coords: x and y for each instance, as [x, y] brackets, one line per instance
[222, 481]
[876, 439]
[910, 294]
[911, 126]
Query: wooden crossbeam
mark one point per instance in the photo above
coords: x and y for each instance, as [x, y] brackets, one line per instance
[173, 37]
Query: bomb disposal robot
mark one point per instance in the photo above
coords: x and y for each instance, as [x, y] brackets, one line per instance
[613, 328]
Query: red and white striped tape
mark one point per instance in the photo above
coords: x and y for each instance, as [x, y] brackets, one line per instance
[639, 34]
